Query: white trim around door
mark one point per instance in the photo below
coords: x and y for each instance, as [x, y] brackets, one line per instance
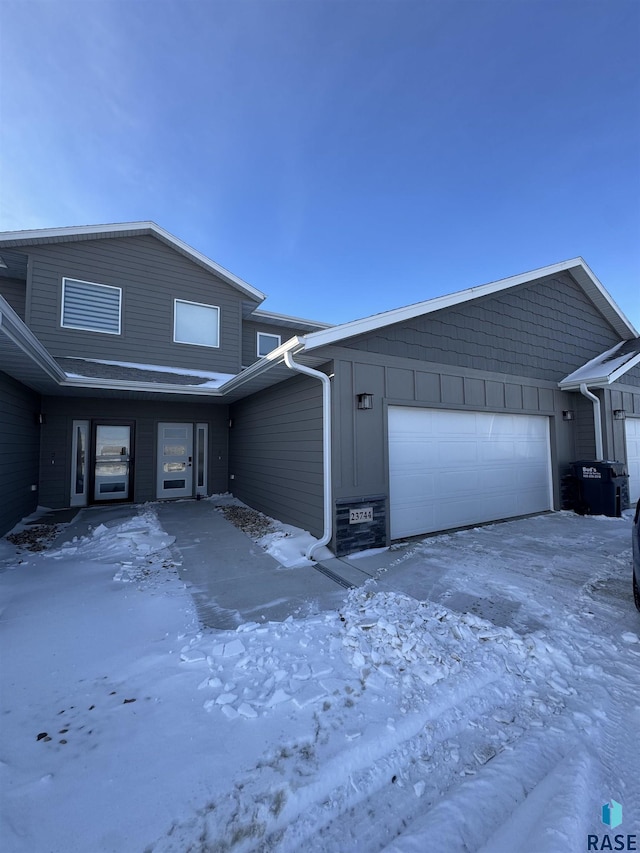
[79, 463]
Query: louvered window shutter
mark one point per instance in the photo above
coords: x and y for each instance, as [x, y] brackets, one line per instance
[95, 307]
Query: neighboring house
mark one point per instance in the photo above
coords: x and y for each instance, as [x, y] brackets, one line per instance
[133, 368]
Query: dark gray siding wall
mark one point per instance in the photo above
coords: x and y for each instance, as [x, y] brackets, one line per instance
[583, 426]
[55, 463]
[360, 461]
[632, 377]
[250, 338]
[14, 291]
[19, 451]
[151, 275]
[275, 454]
[542, 330]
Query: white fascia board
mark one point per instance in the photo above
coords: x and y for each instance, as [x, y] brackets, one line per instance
[336, 334]
[13, 327]
[275, 357]
[148, 387]
[41, 235]
[301, 321]
[596, 291]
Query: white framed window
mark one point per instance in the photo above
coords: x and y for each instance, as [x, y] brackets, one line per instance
[91, 307]
[266, 343]
[196, 323]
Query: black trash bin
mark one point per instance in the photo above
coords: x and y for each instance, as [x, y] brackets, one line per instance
[603, 487]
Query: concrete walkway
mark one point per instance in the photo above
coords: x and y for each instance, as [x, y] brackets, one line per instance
[231, 579]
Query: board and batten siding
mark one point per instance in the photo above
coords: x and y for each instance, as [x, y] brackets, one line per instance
[15, 292]
[151, 275]
[275, 452]
[19, 451]
[55, 457]
[360, 459]
[541, 330]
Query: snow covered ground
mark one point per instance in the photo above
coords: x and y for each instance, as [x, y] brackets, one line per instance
[482, 694]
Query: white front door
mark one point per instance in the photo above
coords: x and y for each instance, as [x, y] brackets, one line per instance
[632, 437]
[456, 468]
[175, 461]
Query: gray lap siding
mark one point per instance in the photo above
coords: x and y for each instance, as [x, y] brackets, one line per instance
[275, 452]
[151, 275]
[542, 330]
[19, 451]
[55, 460]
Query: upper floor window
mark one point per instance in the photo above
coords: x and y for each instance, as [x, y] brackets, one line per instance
[266, 343]
[94, 307]
[195, 323]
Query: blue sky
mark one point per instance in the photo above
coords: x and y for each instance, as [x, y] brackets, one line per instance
[343, 157]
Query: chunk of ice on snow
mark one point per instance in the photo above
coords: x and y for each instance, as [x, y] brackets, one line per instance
[309, 694]
[226, 698]
[228, 650]
[191, 655]
[630, 637]
[246, 710]
[230, 712]
[278, 697]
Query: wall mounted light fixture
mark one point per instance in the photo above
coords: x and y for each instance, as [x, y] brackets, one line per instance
[619, 414]
[365, 401]
[568, 415]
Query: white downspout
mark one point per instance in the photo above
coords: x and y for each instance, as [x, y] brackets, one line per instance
[597, 422]
[326, 447]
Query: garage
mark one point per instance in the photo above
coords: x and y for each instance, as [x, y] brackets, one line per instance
[632, 435]
[454, 468]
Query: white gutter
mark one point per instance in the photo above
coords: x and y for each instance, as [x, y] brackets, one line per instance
[326, 447]
[597, 422]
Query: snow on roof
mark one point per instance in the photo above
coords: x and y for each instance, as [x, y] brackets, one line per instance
[605, 368]
[82, 368]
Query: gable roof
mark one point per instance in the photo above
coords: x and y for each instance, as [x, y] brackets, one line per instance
[41, 236]
[583, 276]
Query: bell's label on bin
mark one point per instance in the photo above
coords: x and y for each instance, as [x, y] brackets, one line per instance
[591, 473]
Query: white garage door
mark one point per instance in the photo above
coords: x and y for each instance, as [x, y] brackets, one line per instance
[632, 431]
[450, 469]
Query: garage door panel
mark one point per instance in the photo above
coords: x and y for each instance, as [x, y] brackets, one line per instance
[465, 468]
[632, 437]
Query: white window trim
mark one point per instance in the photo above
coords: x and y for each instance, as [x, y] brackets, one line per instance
[90, 328]
[201, 305]
[269, 335]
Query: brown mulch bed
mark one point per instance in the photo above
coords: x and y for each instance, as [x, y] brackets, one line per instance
[250, 521]
[37, 537]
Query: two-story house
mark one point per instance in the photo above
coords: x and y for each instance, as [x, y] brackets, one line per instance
[133, 368]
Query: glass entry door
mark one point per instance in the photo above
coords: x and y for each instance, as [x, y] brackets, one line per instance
[112, 472]
[175, 461]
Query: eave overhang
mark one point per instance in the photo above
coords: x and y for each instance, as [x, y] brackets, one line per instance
[577, 267]
[41, 236]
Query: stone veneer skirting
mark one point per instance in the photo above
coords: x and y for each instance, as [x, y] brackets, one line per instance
[350, 538]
